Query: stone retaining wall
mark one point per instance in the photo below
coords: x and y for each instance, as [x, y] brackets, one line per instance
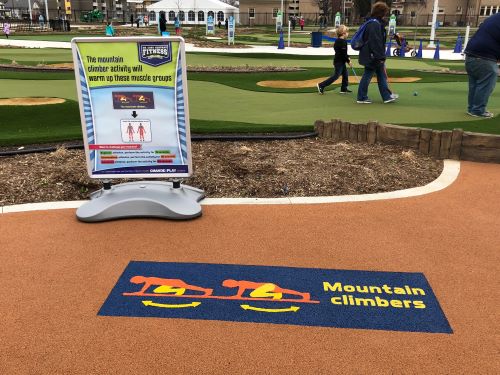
[442, 144]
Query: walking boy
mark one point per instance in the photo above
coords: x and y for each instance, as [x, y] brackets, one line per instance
[341, 58]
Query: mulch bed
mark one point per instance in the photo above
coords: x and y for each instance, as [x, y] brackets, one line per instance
[306, 167]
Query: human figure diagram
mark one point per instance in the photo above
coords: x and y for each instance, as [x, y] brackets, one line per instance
[131, 131]
[141, 131]
[178, 287]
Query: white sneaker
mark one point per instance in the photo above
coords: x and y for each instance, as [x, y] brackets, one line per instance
[483, 115]
[392, 98]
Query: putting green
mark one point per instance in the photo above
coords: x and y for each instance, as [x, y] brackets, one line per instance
[435, 103]
[33, 56]
[12, 88]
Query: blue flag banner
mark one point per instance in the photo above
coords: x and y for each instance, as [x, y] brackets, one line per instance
[396, 301]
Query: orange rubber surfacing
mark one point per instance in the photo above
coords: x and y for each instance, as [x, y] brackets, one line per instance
[56, 273]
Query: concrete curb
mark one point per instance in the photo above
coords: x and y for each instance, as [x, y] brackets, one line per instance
[307, 51]
[451, 170]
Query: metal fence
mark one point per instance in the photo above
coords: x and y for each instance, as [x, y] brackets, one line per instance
[314, 19]
[256, 19]
[14, 15]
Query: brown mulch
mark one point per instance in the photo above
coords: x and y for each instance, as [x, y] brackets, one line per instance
[306, 167]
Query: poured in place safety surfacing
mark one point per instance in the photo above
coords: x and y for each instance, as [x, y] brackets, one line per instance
[57, 273]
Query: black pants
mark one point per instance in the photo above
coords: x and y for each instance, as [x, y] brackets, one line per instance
[340, 69]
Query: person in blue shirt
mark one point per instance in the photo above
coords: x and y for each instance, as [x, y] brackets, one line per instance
[109, 29]
[481, 62]
[177, 25]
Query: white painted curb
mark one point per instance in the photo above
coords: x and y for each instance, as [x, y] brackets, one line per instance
[307, 51]
[451, 170]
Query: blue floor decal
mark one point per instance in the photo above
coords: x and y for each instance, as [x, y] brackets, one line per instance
[395, 301]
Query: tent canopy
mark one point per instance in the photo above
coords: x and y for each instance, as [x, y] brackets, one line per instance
[193, 11]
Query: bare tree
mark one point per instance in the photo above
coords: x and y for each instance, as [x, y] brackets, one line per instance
[231, 2]
[325, 7]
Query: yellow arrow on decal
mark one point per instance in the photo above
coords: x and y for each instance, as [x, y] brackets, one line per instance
[168, 306]
[291, 308]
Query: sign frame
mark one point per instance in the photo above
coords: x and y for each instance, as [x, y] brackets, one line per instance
[164, 171]
[210, 25]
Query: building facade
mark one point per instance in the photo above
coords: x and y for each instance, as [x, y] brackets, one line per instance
[409, 12]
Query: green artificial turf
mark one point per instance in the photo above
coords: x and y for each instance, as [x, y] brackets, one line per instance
[231, 102]
[248, 81]
[261, 59]
[39, 124]
[14, 88]
[34, 75]
[21, 125]
[435, 103]
[34, 56]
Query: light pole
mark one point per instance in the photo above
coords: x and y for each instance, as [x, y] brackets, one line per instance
[46, 12]
[31, 14]
[434, 20]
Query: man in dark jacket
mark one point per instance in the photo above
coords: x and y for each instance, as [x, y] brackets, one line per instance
[162, 24]
[481, 62]
[372, 56]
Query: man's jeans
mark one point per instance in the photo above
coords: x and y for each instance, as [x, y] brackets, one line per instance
[483, 75]
[381, 81]
[340, 69]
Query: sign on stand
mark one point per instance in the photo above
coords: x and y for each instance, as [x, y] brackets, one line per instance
[67, 7]
[392, 26]
[230, 30]
[210, 25]
[279, 21]
[337, 19]
[135, 121]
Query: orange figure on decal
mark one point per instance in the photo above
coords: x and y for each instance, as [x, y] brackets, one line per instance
[262, 290]
[175, 286]
[141, 132]
[130, 132]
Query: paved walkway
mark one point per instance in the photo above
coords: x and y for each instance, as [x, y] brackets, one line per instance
[56, 273]
[323, 51]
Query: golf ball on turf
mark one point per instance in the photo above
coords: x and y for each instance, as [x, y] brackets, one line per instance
[415, 93]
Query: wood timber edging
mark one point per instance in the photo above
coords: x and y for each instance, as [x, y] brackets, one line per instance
[441, 144]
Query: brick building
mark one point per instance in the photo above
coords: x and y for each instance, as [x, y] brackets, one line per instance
[409, 12]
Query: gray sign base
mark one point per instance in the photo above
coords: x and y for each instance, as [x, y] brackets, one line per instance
[142, 199]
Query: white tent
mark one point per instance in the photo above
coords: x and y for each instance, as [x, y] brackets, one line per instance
[193, 12]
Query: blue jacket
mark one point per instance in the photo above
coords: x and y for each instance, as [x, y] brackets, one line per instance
[486, 41]
[372, 53]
